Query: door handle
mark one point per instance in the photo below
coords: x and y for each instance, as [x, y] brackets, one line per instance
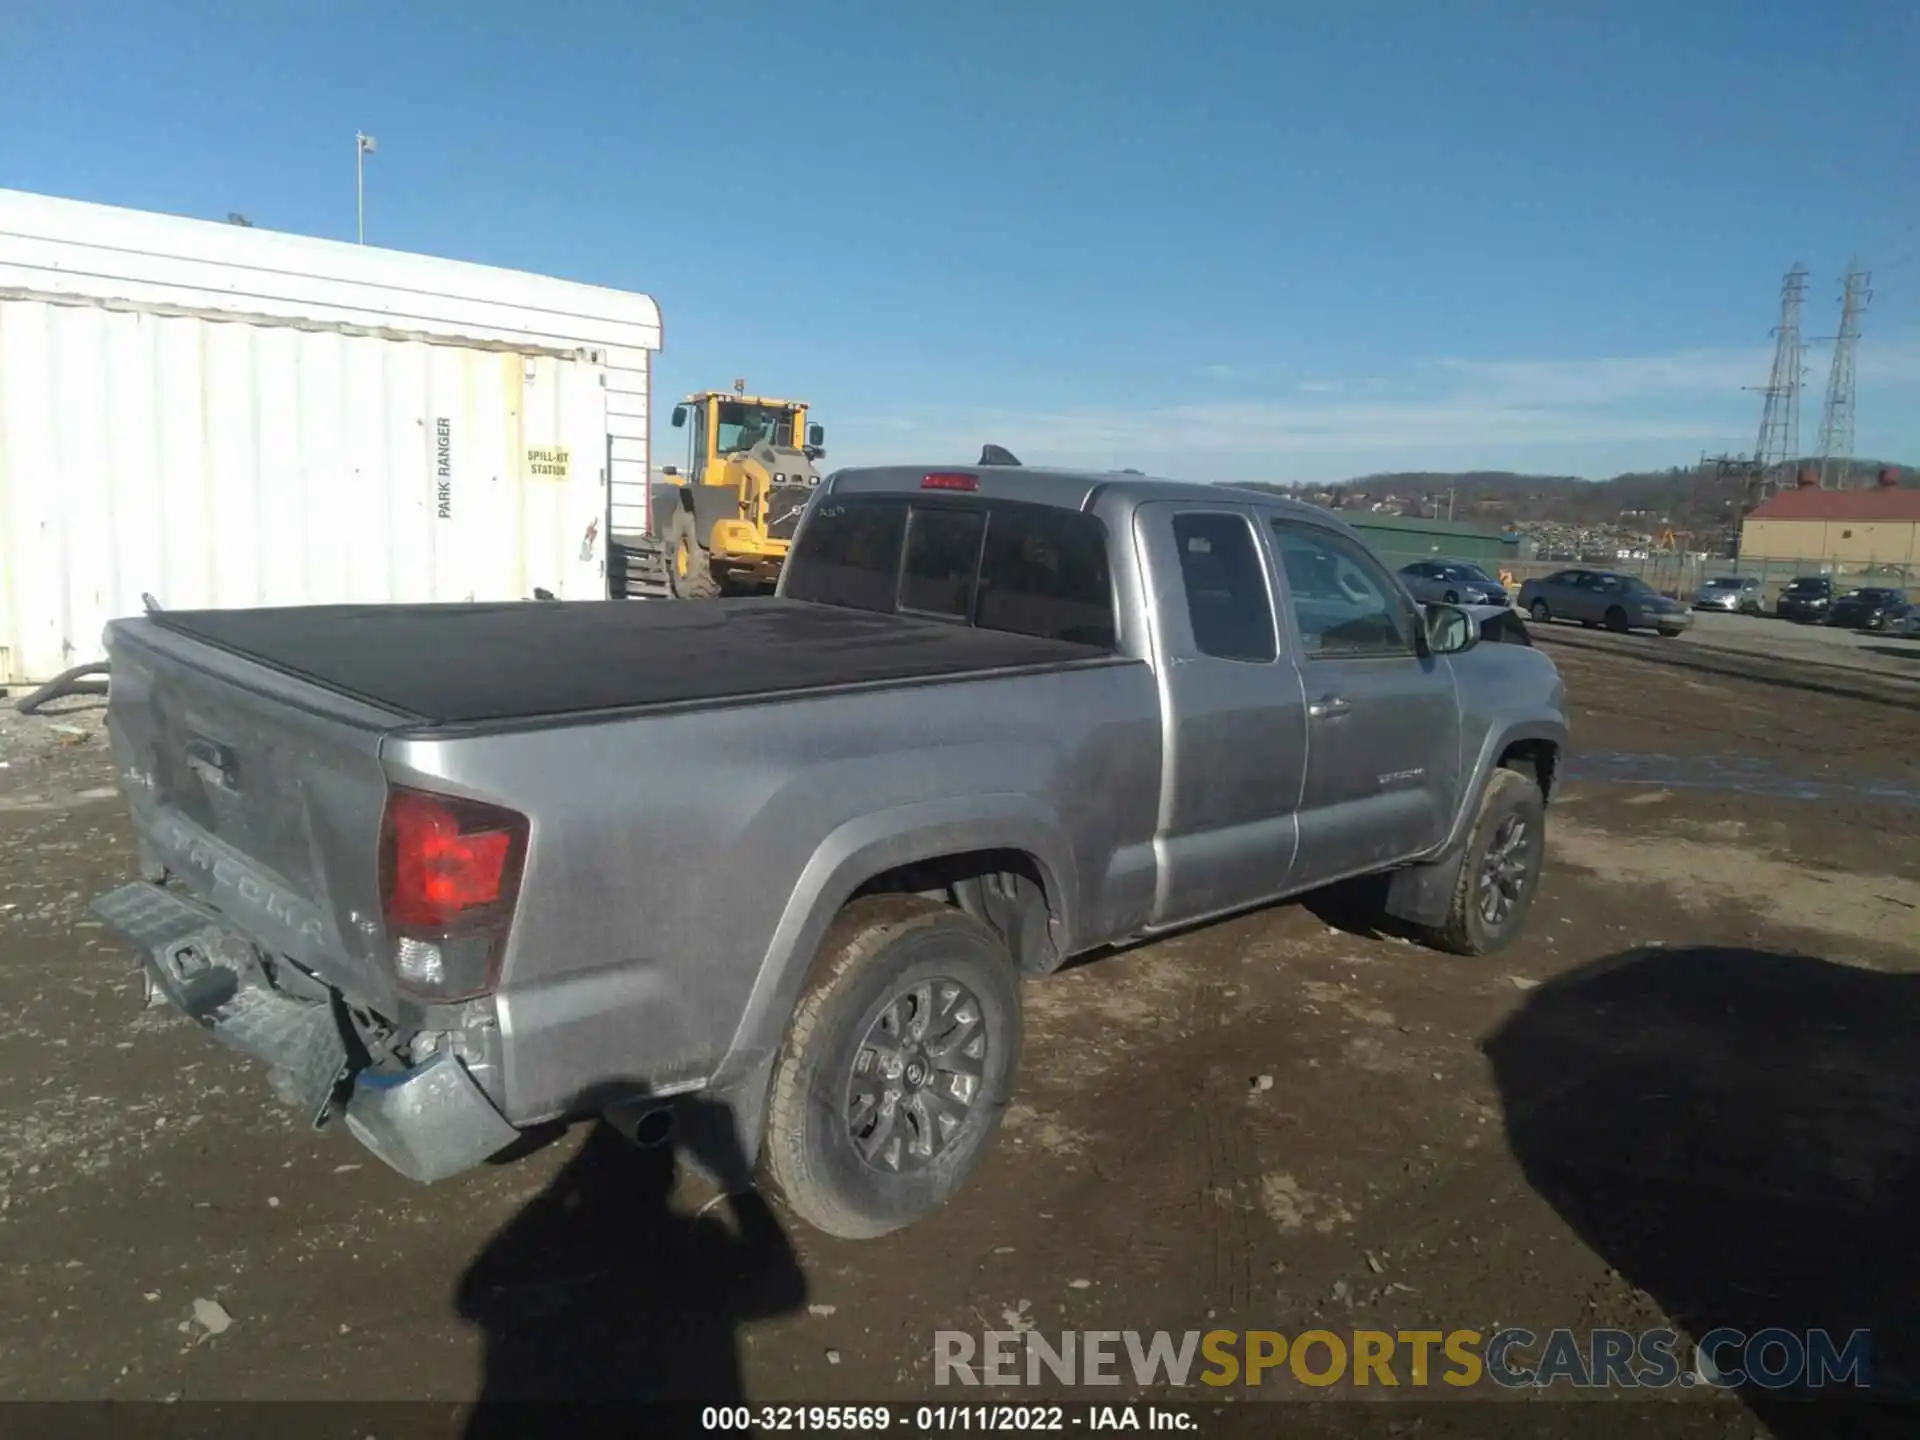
[1327, 707]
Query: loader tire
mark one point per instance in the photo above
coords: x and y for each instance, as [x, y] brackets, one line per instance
[689, 567]
[896, 1069]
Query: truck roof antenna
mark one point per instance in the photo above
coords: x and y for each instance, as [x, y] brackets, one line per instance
[996, 455]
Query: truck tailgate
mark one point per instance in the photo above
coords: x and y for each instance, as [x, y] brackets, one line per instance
[260, 793]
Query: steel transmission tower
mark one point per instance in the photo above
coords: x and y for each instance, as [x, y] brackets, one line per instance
[1778, 446]
[1836, 423]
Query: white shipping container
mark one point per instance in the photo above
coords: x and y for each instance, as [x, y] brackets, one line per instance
[222, 416]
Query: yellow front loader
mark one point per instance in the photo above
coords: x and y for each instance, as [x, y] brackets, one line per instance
[723, 523]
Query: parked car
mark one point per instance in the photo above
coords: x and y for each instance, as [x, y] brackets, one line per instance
[1453, 582]
[1807, 598]
[1602, 597]
[1872, 607]
[782, 862]
[1736, 594]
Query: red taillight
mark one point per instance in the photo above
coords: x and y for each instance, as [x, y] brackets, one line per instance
[954, 480]
[440, 870]
[449, 875]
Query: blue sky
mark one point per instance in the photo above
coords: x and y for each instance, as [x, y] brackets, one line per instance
[1283, 240]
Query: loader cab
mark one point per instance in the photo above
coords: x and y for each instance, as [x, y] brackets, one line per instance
[719, 424]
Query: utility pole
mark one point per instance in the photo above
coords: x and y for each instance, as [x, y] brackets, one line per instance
[1836, 423]
[1778, 445]
[363, 146]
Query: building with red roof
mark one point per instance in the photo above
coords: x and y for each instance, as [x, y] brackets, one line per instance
[1878, 525]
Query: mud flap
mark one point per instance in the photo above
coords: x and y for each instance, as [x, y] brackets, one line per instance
[1421, 894]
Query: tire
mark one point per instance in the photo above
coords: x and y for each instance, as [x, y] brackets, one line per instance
[1669, 634]
[1467, 930]
[880, 955]
[1452, 597]
[1616, 620]
[1541, 614]
[698, 583]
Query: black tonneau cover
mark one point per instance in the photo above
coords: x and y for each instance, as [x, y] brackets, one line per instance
[461, 664]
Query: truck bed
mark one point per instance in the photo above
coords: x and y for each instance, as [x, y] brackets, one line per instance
[477, 663]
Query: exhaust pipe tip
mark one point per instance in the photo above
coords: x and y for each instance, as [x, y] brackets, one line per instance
[646, 1122]
[653, 1129]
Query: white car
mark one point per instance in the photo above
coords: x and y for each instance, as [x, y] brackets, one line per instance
[1736, 594]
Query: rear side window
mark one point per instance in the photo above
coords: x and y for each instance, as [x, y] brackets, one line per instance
[1045, 573]
[1002, 565]
[1225, 582]
[849, 555]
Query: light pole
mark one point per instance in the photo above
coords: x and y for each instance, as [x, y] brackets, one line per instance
[363, 146]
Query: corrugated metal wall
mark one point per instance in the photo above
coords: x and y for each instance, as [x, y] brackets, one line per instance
[216, 462]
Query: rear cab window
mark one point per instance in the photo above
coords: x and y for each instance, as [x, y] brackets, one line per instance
[995, 564]
[1224, 577]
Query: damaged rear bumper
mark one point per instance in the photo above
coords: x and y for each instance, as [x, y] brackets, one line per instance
[428, 1122]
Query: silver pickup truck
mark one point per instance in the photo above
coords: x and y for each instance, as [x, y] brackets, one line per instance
[452, 871]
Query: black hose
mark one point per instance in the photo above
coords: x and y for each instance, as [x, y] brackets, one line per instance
[67, 682]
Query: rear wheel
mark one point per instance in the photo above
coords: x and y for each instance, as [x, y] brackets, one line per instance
[1616, 620]
[689, 567]
[1501, 869]
[896, 1069]
[1541, 614]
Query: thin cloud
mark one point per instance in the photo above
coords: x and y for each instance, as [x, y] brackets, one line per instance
[1477, 412]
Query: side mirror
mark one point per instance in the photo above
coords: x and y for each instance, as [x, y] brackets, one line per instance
[816, 435]
[679, 416]
[1450, 630]
[669, 469]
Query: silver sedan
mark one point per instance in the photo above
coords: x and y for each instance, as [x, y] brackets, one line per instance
[1601, 597]
[1452, 582]
[1736, 594]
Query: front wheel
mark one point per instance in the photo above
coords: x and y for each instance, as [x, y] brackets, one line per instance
[689, 567]
[1541, 614]
[1669, 634]
[1500, 871]
[897, 1067]
[1452, 597]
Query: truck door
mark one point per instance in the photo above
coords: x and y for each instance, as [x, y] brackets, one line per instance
[1234, 729]
[1383, 721]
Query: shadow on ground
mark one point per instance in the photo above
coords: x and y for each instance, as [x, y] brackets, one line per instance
[600, 1292]
[1734, 1131]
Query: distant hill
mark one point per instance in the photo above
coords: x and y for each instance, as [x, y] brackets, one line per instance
[1688, 498]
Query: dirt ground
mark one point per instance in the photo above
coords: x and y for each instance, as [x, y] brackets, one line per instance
[1688, 1097]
